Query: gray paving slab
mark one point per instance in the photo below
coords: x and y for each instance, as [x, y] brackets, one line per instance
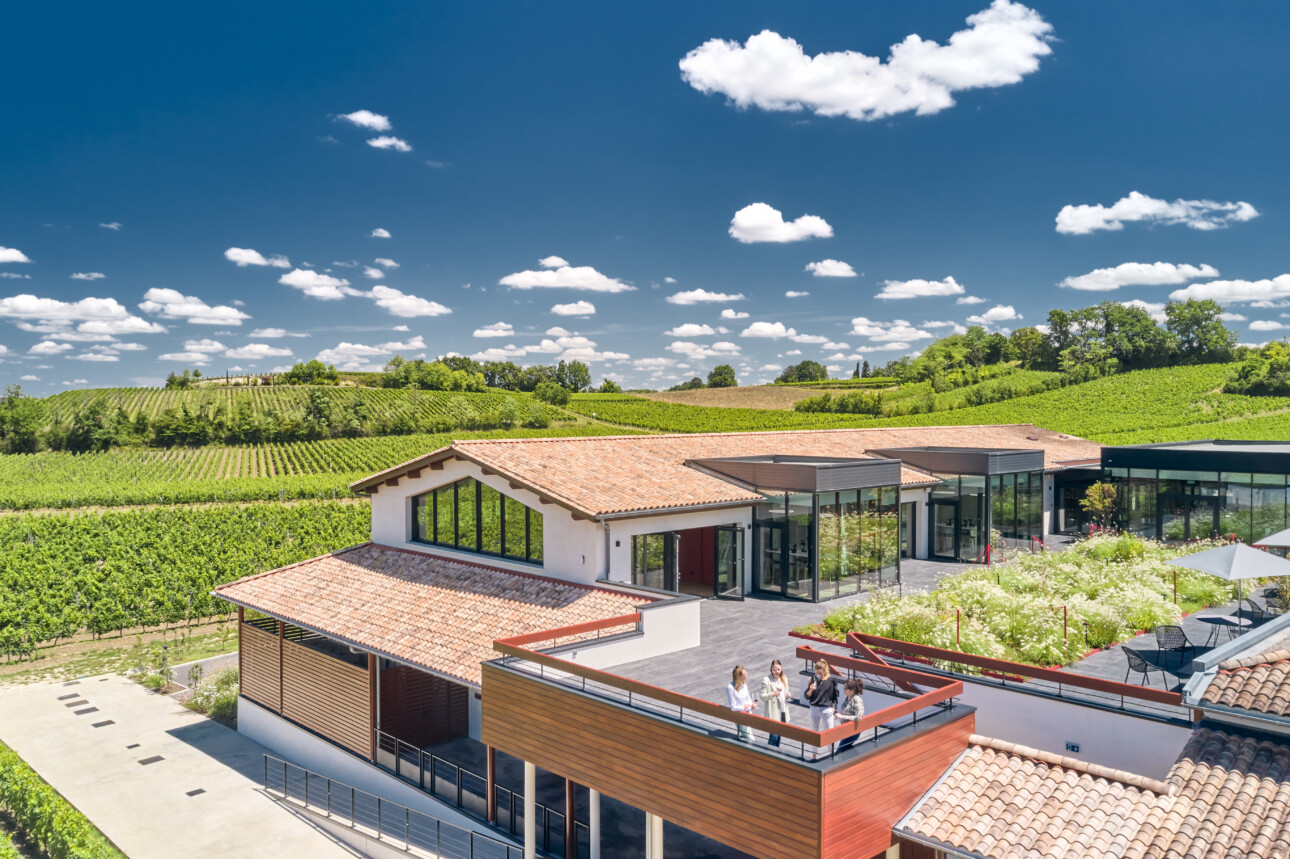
[159, 780]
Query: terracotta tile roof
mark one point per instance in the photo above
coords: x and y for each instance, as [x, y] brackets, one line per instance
[432, 612]
[616, 474]
[1228, 795]
[1003, 800]
[1259, 681]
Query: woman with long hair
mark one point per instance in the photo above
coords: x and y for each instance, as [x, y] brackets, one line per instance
[740, 699]
[774, 697]
[822, 695]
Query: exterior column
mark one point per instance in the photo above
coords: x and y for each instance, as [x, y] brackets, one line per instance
[570, 821]
[594, 811]
[373, 696]
[492, 784]
[530, 811]
[653, 836]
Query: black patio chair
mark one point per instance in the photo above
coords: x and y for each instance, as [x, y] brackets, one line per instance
[1256, 613]
[1172, 639]
[1139, 664]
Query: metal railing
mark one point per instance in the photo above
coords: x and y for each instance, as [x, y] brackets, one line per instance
[468, 791]
[387, 821]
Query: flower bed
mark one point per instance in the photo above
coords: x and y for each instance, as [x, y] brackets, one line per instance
[1047, 610]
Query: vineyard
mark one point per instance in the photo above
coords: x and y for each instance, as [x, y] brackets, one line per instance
[103, 572]
[314, 469]
[381, 403]
[1147, 405]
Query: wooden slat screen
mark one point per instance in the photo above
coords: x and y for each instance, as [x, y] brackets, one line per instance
[422, 709]
[327, 696]
[863, 802]
[260, 679]
[752, 801]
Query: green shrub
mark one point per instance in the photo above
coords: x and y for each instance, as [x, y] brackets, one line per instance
[153, 682]
[50, 821]
[216, 696]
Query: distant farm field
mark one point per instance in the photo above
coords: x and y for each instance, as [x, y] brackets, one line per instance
[751, 397]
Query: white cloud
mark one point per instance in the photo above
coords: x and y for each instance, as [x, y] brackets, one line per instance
[12, 255]
[315, 284]
[257, 351]
[387, 142]
[1229, 291]
[566, 277]
[792, 352]
[695, 296]
[653, 363]
[124, 347]
[275, 333]
[795, 293]
[379, 233]
[1155, 310]
[669, 280]
[172, 304]
[99, 357]
[998, 313]
[556, 331]
[830, 268]
[373, 272]
[1267, 325]
[577, 308]
[573, 347]
[553, 262]
[896, 331]
[830, 345]
[729, 312]
[698, 351]
[897, 289]
[204, 346]
[1197, 214]
[102, 317]
[397, 328]
[250, 256]
[1001, 45]
[401, 304]
[970, 299]
[1233, 317]
[88, 275]
[385, 262]
[771, 330]
[497, 329]
[367, 119]
[111, 225]
[13, 275]
[760, 222]
[690, 329]
[27, 378]
[1138, 274]
[48, 347]
[200, 358]
[500, 353]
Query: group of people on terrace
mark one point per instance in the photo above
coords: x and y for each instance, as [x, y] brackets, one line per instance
[830, 699]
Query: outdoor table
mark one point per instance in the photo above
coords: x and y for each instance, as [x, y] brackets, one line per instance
[1218, 623]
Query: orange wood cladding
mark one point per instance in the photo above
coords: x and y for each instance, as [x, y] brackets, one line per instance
[863, 802]
[755, 802]
[327, 696]
[260, 679]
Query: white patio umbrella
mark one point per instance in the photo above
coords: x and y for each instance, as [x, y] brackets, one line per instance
[1234, 563]
[1279, 540]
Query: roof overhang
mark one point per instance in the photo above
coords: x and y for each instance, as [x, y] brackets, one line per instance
[788, 473]
[966, 460]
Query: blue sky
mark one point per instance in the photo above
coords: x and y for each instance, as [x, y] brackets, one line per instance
[586, 180]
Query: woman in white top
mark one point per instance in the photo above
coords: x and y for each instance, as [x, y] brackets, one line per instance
[774, 696]
[740, 699]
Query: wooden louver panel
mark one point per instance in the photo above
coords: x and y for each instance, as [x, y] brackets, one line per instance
[261, 681]
[327, 696]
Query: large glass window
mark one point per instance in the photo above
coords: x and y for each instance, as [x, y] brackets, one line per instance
[1268, 498]
[475, 517]
[800, 581]
[651, 561]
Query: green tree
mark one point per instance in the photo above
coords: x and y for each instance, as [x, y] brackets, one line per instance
[806, 371]
[550, 392]
[21, 418]
[609, 386]
[1201, 334]
[1028, 347]
[723, 376]
[1099, 502]
[573, 375]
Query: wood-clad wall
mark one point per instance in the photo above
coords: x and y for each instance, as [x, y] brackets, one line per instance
[752, 801]
[327, 696]
[863, 802]
[261, 681]
[422, 709]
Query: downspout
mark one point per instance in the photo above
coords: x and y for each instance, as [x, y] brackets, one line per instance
[605, 524]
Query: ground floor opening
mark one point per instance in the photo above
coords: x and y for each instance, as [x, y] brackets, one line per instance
[705, 562]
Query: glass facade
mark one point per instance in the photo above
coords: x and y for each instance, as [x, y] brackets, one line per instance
[1177, 505]
[969, 511]
[475, 517]
[829, 544]
[1016, 508]
[652, 565]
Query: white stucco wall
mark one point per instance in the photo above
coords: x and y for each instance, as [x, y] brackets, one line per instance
[665, 627]
[1143, 746]
[621, 531]
[302, 748]
[1050, 502]
[919, 498]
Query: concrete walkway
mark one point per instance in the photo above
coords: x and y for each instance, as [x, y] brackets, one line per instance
[159, 780]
